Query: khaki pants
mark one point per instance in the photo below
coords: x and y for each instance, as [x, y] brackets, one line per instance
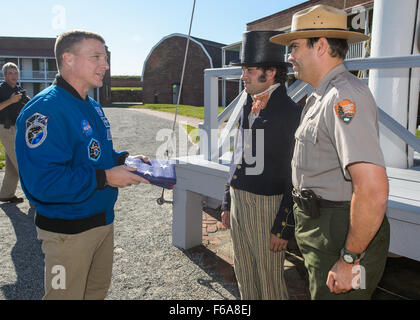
[320, 241]
[11, 176]
[259, 271]
[78, 266]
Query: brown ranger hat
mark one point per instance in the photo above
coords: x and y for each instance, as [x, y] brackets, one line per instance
[316, 22]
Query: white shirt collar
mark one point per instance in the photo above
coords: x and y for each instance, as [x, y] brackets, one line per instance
[270, 88]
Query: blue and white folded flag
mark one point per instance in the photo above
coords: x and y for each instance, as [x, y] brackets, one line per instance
[159, 172]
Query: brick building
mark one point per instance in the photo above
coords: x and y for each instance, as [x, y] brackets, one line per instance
[282, 20]
[360, 16]
[36, 62]
[163, 67]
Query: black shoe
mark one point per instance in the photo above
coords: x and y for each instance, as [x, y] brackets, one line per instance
[13, 199]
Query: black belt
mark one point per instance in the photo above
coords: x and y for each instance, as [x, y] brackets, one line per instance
[322, 203]
[332, 204]
[310, 203]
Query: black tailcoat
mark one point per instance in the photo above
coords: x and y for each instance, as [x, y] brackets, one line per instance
[279, 120]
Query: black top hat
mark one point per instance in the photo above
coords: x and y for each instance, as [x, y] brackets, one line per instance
[258, 51]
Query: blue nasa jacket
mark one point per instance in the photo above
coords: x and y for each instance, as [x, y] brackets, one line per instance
[63, 146]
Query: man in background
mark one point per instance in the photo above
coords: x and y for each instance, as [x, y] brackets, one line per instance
[12, 100]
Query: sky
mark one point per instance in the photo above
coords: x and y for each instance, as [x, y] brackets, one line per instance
[132, 27]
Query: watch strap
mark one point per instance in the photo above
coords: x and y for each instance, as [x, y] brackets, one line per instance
[351, 257]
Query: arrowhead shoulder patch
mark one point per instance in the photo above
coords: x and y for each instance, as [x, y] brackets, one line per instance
[345, 110]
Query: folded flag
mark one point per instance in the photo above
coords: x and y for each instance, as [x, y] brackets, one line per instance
[159, 172]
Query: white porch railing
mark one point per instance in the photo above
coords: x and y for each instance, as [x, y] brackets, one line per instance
[38, 75]
[297, 91]
[356, 50]
[35, 75]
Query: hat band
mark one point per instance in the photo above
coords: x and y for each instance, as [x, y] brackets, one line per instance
[316, 29]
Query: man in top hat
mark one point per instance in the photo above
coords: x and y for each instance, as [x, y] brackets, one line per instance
[338, 171]
[257, 205]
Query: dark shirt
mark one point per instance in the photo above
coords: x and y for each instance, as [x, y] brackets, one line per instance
[9, 114]
[279, 120]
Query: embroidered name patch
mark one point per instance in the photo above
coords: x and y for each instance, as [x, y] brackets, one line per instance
[106, 122]
[94, 150]
[345, 110]
[36, 130]
[99, 111]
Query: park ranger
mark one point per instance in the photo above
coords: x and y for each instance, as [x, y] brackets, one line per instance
[338, 170]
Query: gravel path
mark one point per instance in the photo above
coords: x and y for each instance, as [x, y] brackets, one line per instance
[146, 265]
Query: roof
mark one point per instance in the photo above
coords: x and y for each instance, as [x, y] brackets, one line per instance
[213, 50]
[27, 47]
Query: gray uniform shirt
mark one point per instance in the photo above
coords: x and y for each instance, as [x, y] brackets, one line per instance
[339, 126]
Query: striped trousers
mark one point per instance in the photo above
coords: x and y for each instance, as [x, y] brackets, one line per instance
[259, 271]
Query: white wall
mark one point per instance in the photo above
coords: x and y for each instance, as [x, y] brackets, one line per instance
[26, 65]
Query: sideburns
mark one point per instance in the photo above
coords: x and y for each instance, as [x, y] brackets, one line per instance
[262, 78]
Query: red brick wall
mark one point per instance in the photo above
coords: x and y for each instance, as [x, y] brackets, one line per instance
[164, 68]
[126, 82]
[127, 96]
[105, 91]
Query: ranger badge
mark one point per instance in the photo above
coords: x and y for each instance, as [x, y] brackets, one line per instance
[345, 110]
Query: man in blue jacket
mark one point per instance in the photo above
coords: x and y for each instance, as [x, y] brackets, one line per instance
[71, 173]
[258, 201]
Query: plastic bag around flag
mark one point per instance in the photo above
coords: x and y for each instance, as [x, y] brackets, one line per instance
[160, 173]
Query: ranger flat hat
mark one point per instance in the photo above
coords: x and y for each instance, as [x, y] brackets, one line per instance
[258, 51]
[316, 22]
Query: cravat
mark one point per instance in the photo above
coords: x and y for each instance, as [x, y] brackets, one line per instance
[260, 101]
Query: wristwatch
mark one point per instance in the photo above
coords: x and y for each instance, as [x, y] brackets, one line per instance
[351, 257]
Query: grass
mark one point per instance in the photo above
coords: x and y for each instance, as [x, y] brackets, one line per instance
[126, 77]
[126, 88]
[184, 110]
[192, 132]
[418, 134]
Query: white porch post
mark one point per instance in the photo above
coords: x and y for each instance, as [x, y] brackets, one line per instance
[187, 218]
[393, 35]
[223, 79]
[211, 103]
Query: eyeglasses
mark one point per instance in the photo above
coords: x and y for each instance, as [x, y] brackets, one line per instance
[15, 72]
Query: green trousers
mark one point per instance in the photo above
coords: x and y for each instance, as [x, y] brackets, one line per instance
[320, 241]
